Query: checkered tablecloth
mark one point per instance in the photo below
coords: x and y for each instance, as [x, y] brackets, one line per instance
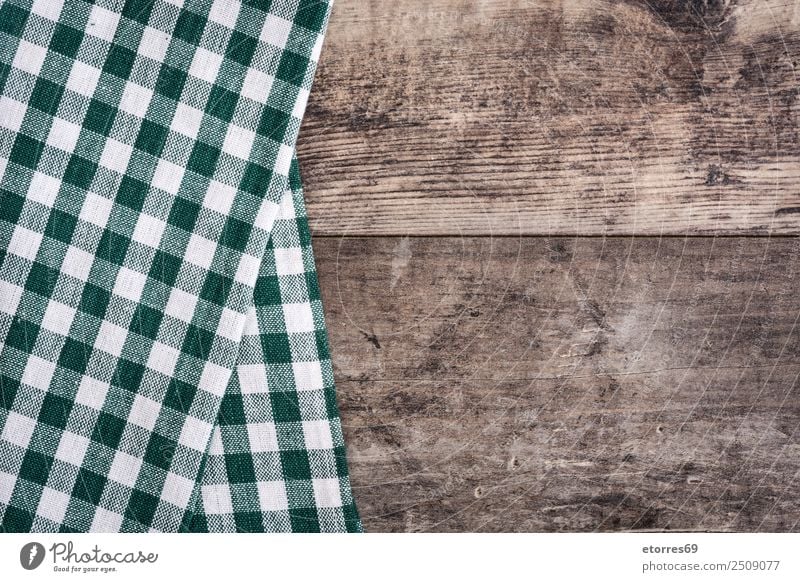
[164, 360]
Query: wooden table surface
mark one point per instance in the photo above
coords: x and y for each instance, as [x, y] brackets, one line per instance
[558, 248]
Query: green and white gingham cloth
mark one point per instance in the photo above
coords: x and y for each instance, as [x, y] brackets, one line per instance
[164, 360]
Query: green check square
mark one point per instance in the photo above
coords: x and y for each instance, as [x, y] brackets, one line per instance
[74, 355]
[152, 137]
[35, 467]
[22, 334]
[99, 117]
[189, 27]
[141, 507]
[60, 226]
[221, 103]
[80, 172]
[46, 96]
[180, 395]
[119, 61]
[94, 300]
[203, 159]
[66, 40]
[12, 19]
[26, 151]
[198, 342]
[170, 82]
[165, 268]
[89, 486]
[108, 430]
[292, 68]
[183, 214]
[41, 280]
[311, 14]
[160, 451]
[241, 48]
[132, 192]
[146, 321]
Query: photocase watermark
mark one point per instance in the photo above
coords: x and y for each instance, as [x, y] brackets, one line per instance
[31, 555]
[66, 558]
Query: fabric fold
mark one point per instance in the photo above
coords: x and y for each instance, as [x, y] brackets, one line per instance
[163, 355]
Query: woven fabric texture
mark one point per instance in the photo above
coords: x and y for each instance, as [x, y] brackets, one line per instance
[164, 362]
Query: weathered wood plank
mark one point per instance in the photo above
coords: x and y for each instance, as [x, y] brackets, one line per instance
[535, 384]
[556, 116]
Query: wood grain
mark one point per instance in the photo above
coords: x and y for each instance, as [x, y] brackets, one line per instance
[556, 117]
[578, 384]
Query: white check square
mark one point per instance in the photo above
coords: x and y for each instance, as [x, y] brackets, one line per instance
[247, 271]
[24, 243]
[58, 317]
[10, 295]
[205, 65]
[83, 78]
[262, 437]
[7, 483]
[18, 429]
[111, 338]
[219, 197]
[195, 434]
[298, 317]
[168, 176]
[144, 412]
[224, 12]
[200, 251]
[308, 375]
[177, 490]
[327, 493]
[135, 99]
[44, 189]
[53, 505]
[149, 230]
[102, 23]
[300, 104]
[72, 448]
[317, 434]
[180, 305]
[154, 44]
[272, 495]
[106, 521]
[276, 31]
[77, 263]
[217, 499]
[125, 468]
[96, 209]
[257, 85]
[187, 120]
[11, 113]
[38, 373]
[284, 161]
[115, 155]
[238, 142]
[63, 135]
[91, 393]
[29, 57]
[162, 358]
[48, 9]
[214, 379]
[252, 378]
[129, 284]
[289, 261]
[230, 324]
